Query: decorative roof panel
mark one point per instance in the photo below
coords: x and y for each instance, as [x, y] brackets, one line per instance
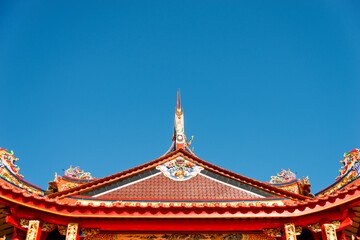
[159, 186]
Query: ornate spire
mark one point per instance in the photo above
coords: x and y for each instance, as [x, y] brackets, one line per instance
[179, 135]
[179, 138]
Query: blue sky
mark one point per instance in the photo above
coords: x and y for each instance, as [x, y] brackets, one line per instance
[265, 85]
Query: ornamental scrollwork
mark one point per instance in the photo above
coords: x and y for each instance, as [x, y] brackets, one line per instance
[24, 222]
[48, 227]
[88, 232]
[336, 223]
[314, 227]
[298, 230]
[62, 229]
[273, 232]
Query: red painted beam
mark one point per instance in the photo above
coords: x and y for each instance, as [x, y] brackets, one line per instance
[173, 224]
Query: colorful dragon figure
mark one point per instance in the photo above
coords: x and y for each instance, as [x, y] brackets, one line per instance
[75, 172]
[351, 160]
[7, 159]
[283, 177]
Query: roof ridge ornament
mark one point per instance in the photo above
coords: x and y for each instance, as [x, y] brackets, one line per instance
[179, 135]
[179, 138]
[179, 169]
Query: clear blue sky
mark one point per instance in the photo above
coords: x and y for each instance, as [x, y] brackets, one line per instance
[265, 84]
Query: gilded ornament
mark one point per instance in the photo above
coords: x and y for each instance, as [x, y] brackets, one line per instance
[298, 230]
[48, 227]
[72, 231]
[62, 229]
[336, 223]
[315, 227]
[290, 232]
[273, 232]
[33, 230]
[330, 231]
[88, 232]
[24, 222]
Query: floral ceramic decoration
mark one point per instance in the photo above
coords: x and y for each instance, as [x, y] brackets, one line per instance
[179, 169]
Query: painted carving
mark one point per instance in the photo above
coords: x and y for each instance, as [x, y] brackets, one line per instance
[290, 233]
[306, 187]
[315, 227]
[336, 223]
[283, 177]
[10, 172]
[75, 172]
[330, 232]
[179, 122]
[33, 230]
[273, 232]
[350, 161]
[7, 159]
[88, 232]
[298, 230]
[179, 169]
[24, 222]
[62, 229]
[48, 227]
[348, 173]
[72, 230]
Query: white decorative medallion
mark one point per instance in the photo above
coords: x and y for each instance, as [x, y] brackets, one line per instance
[179, 169]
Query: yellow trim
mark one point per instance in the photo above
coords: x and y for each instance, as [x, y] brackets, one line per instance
[126, 216]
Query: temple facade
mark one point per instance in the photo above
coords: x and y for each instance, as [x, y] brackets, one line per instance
[178, 196]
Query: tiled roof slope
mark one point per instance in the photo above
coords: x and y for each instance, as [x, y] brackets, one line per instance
[196, 188]
[129, 174]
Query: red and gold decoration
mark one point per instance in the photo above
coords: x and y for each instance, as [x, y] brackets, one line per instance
[178, 196]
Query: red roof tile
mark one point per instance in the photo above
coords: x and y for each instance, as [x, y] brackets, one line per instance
[196, 188]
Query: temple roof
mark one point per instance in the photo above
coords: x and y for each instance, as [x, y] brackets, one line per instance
[177, 175]
[180, 185]
[136, 183]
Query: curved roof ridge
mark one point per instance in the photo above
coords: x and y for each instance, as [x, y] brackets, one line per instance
[141, 168]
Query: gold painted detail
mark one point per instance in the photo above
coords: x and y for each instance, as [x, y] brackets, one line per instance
[33, 230]
[298, 230]
[330, 231]
[315, 227]
[24, 222]
[62, 229]
[48, 227]
[179, 204]
[336, 223]
[72, 231]
[290, 233]
[87, 232]
[273, 232]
